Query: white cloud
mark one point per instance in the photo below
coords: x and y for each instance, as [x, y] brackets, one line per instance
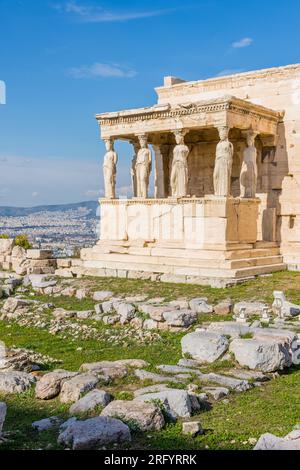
[98, 14]
[102, 70]
[93, 193]
[245, 42]
[35, 194]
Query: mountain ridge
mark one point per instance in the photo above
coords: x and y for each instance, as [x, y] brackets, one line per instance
[11, 211]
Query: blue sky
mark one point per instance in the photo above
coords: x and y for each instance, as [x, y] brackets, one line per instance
[64, 61]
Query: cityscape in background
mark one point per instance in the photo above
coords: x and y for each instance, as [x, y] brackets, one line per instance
[65, 228]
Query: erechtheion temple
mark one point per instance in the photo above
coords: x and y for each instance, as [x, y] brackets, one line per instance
[225, 154]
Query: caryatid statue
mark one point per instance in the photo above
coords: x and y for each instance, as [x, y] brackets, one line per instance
[133, 167]
[223, 164]
[248, 176]
[143, 167]
[110, 169]
[179, 171]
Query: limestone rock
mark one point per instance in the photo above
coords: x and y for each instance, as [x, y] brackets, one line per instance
[150, 324]
[146, 375]
[143, 416]
[13, 303]
[74, 388]
[216, 392]
[3, 409]
[49, 385]
[125, 311]
[177, 403]
[46, 424]
[270, 442]
[252, 307]
[151, 389]
[106, 370]
[90, 401]
[192, 428]
[111, 319]
[39, 254]
[85, 314]
[94, 433]
[15, 382]
[204, 346]
[230, 328]
[101, 296]
[183, 318]
[266, 356]
[224, 307]
[61, 313]
[200, 305]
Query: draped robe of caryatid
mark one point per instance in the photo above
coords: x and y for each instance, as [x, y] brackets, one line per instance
[223, 168]
[179, 172]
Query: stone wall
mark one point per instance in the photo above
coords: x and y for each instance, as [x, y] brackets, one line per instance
[278, 169]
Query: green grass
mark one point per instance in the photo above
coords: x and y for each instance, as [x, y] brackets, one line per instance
[260, 289]
[274, 407]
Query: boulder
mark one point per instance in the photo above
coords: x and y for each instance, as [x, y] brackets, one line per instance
[230, 328]
[90, 401]
[49, 385]
[3, 409]
[146, 375]
[13, 303]
[252, 307]
[61, 313]
[270, 442]
[125, 311]
[106, 370]
[176, 403]
[74, 388]
[183, 318]
[264, 355]
[237, 385]
[108, 306]
[111, 319]
[151, 389]
[224, 307]
[81, 294]
[204, 346]
[192, 428]
[200, 305]
[15, 382]
[40, 281]
[85, 314]
[101, 296]
[216, 392]
[94, 433]
[46, 424]
[137, 415]
[150, 324]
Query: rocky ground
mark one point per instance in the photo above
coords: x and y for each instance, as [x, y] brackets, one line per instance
[90, 363]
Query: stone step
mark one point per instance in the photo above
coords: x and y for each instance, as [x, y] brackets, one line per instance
[251, 262]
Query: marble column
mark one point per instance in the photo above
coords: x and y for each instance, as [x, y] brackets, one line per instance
[179, 171]
[223, 164]
[136, 148]
[159, 180]
[110, 169]
[248, 175]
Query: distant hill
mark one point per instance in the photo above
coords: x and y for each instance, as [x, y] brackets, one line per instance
[23, 211]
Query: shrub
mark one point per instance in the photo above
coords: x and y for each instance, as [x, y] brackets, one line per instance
[3, 235]
[22, 240]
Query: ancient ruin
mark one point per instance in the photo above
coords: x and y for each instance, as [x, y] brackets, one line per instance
[225, 174]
